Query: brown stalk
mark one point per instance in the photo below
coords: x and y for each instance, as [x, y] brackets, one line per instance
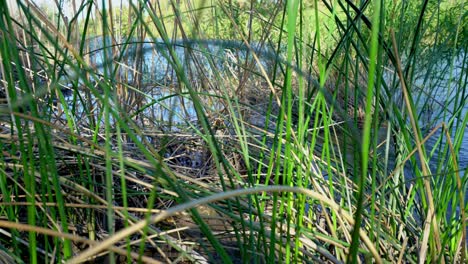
[75, 238]
[118, 236]
[431, 219]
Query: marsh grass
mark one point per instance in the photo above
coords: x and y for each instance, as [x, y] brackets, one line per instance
[325, 132]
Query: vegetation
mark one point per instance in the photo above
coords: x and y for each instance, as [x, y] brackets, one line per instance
[234, 131]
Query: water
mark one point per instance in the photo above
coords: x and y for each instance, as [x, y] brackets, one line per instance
[444, 99]
[437, 84]
[201, 56]
[201, 59]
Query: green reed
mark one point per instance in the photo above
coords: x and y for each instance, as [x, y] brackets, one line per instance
[323, 131]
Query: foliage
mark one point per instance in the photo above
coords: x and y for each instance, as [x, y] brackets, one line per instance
[234, 131]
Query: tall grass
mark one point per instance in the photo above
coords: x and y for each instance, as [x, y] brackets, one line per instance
[224, 131]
